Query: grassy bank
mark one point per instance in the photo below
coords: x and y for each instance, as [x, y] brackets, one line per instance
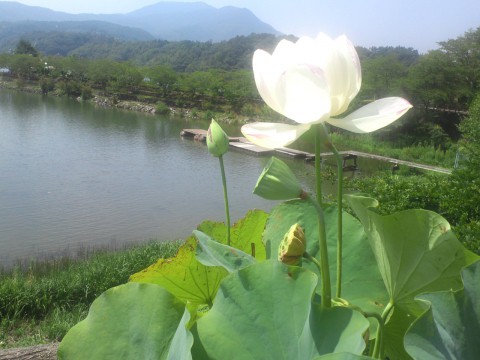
[39, 303]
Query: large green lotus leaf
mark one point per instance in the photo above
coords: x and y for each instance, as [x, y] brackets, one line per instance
[184, 276]
[362, 284]
[265, 311]
[416, 252]
[450, 329]
[213, 253]
[398, 323]
[131, 321]
[246, 234]
[336, 329]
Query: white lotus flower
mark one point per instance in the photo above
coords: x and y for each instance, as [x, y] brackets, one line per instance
[312, 81]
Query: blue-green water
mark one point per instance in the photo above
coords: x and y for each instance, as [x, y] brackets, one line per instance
[73, 175]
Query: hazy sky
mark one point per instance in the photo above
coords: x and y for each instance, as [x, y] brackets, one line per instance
[412, 23]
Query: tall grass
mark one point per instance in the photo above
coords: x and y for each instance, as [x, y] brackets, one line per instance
[39, 303]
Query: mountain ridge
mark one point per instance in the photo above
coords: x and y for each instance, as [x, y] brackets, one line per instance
[172, 21]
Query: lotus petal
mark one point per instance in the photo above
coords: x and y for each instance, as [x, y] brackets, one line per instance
[273, 135]
[373, 116]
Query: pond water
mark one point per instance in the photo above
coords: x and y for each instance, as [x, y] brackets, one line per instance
[73, 175]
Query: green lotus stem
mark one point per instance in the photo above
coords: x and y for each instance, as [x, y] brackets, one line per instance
[387, 310]
[378, 347]
[339, 220]
[318, 163]
[225, 196]
[309, 257]
[324, 266]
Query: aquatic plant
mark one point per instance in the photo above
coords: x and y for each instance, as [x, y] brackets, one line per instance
[248, 295]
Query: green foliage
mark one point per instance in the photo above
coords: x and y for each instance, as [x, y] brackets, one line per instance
[47, 85]
[449, 329]
[35, 291]
[424, 256]
[253, 315]
[470, 143]
[70, 88]
[25, 47]
[434, 149]
[359, 277]
[212, 253]
[455, 197]
[269, 310]
[87, 92]
[184, 276]
[397, 193]
[216, 77]
[190, 280]
[150, 324]
[162, 109]
[246, 234]
[41, 301]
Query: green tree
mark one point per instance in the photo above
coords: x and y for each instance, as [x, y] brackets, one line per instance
[26, 67]
[470, 143]
[464, 54]
[101, 73]
[383, 76]
[462, 200]
[432, 81]
[127, 78]
[25, 47]
[163, 78]
[450, 76]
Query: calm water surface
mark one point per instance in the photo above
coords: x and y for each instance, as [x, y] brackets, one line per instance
[73, 176]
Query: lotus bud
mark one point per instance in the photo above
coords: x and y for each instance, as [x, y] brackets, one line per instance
[293, 246]
[217, 140]
[277, 182]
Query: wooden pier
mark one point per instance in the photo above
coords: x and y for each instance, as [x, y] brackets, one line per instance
[401, 162]
[242, 144]
[196, 134]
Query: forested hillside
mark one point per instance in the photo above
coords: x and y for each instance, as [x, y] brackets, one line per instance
[217, 76]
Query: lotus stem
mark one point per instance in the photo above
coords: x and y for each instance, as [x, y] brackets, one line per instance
[225, 196]
[387, 310]
[318, 163]
[339, 220]
[378, 347]
[309, 257]
[324, 266]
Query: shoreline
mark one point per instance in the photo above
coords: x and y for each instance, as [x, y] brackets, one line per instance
[105, 101]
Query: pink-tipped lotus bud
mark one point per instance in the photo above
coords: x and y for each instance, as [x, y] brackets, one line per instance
[217, 140]
[293, 246]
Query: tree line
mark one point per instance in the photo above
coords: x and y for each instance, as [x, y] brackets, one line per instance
[441, 84]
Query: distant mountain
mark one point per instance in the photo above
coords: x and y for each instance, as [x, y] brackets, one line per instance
[61, 37]
[171, 21]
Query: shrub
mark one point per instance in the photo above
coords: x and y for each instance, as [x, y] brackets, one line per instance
[47, 85]
[162, 108]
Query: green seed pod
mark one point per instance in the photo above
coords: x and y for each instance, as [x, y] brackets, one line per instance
[277, 182]
[293, 246]
[217, 140]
